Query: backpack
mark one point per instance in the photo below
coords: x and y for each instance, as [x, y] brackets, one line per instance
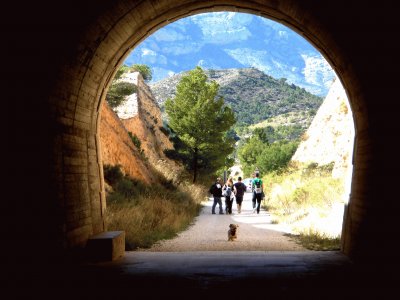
[212, 189]
[257, 186]
[227, 191]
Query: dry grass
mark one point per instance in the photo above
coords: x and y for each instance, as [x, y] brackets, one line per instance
[311, 202]
[148, 214]
[314, 240]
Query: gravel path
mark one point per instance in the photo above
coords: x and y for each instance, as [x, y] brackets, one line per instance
[210, 232]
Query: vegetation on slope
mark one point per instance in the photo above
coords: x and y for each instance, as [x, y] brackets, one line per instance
[146, 213]
[120, 89]
[310, 202]
[253, 95]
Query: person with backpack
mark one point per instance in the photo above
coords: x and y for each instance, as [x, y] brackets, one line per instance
[258, 191]
[227, 191]
[253, 193]
[216, 191]
[239, 190]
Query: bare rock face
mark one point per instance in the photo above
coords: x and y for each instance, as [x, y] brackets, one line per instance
[139, 115]
[330, 136]
[117, 147]
[147, 124]
[129, 108]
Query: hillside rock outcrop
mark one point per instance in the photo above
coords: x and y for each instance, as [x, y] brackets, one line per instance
[147, 123]
[117, 147]
[139, 115]
[330, 136]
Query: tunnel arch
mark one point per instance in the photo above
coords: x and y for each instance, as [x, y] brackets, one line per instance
[78, 93]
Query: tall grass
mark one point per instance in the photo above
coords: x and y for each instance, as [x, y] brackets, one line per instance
[310, 202]
[148, 214]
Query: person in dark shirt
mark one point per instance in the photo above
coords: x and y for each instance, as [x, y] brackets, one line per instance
[216, 191]
[239, 188]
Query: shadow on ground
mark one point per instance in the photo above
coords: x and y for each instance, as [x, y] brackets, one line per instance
[210, 275]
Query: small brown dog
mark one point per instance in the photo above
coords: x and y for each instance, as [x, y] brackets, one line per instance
[232, 232]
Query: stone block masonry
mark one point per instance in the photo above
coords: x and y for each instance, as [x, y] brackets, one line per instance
[106, 246]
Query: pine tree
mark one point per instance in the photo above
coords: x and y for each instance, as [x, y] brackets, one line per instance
[201, 121]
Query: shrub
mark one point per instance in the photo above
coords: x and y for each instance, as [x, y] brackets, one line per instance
[135, 140]
[314, 240]
[144, 70]
[276, 156]
[310, 202]
[148, 214]
[118, 92]
[112, 174]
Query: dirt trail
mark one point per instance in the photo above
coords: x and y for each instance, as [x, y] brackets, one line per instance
[209, 232]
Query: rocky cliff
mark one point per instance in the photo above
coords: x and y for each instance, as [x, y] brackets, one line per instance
[141, 116]
[331, 134]
[147, 122]
[117, 147]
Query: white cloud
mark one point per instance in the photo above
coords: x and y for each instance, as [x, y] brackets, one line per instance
[151, 57]
[168, 35]
[148, 52]
[283, 34]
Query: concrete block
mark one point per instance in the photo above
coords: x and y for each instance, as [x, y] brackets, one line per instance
[106, 246]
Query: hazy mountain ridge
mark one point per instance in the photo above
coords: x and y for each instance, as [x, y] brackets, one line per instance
[253, 95]
[234, 40]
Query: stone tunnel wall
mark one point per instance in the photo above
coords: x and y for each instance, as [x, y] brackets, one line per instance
[72, 60]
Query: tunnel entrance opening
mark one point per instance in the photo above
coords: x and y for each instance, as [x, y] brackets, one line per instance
[100, 46]
[347, 181]
[75, 50]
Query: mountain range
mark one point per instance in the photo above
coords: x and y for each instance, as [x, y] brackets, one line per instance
[253, 95]
[226, 40]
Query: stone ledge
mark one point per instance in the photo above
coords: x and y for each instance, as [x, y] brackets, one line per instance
[106, 246]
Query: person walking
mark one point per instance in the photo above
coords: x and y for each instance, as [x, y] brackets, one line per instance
[253, 196]
[227, 191]
[239, 188]
[258, 191]
[216, 191]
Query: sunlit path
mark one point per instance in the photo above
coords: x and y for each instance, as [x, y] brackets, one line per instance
[201, 264]
[209, 232]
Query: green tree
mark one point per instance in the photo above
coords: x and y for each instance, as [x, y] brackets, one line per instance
[249, 153]
[276, 156]
[144, 70]
[123, 69]
[261, 134]
[119, 89]
[201, 121]
[118, 92]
